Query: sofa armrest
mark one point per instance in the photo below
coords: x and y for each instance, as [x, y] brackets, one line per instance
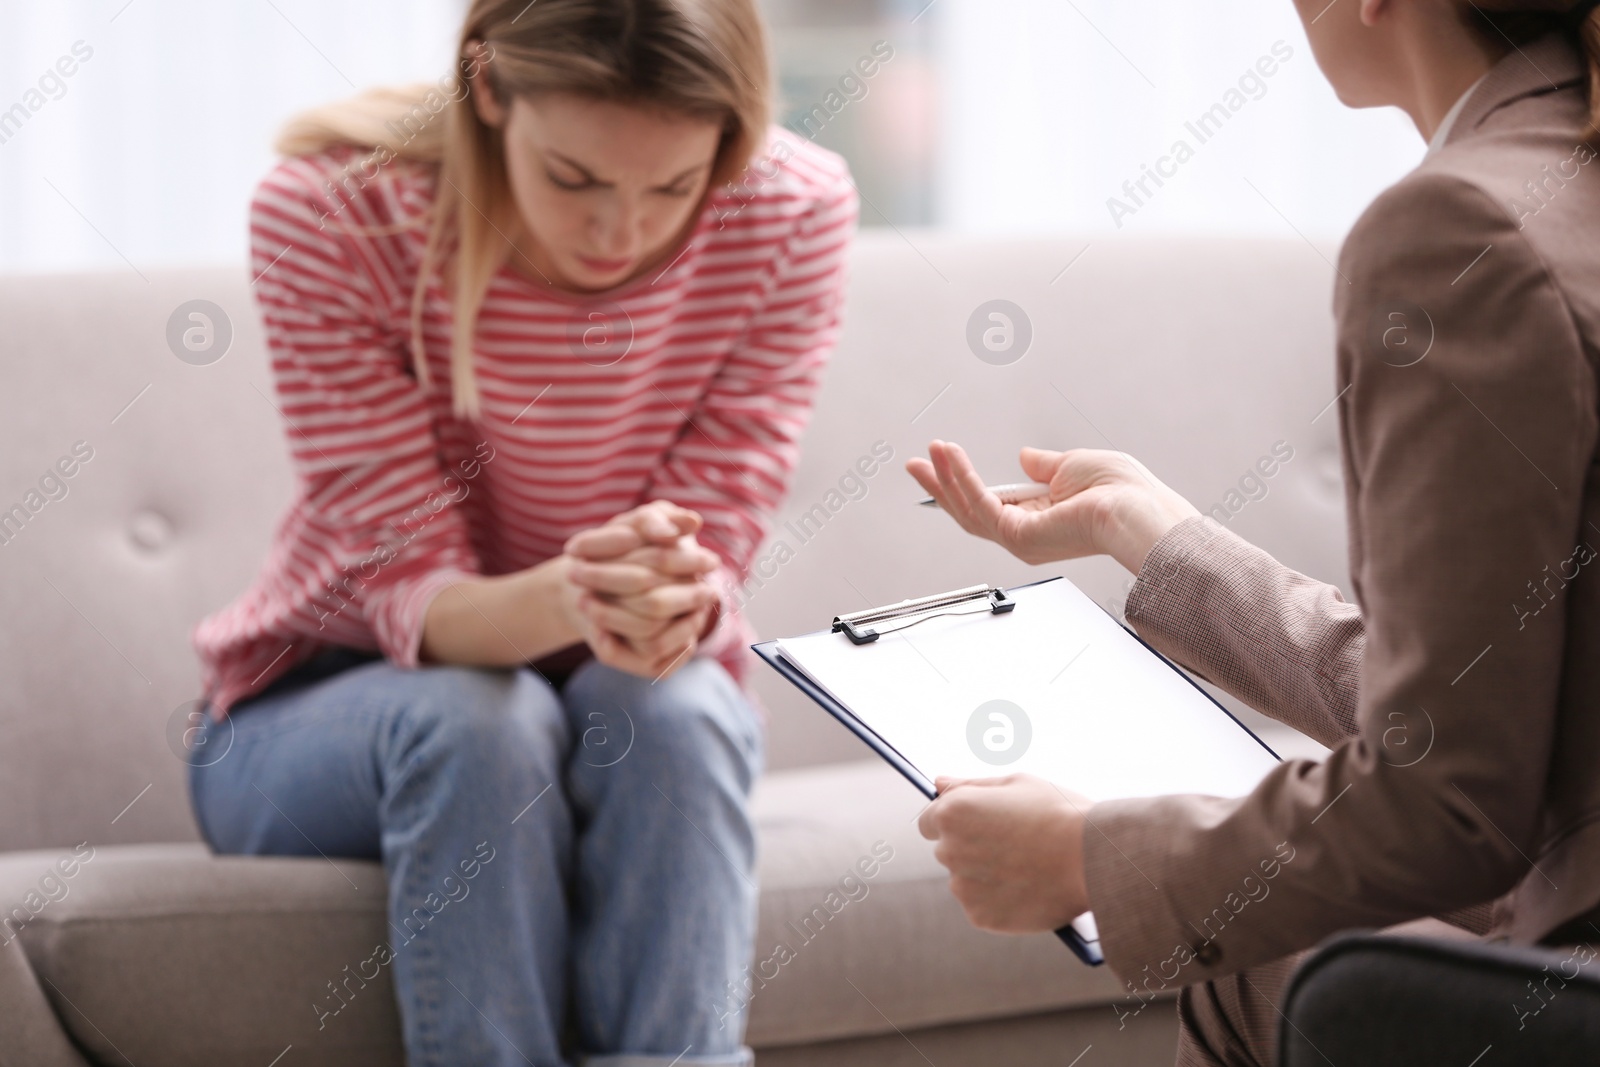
[31, 1034]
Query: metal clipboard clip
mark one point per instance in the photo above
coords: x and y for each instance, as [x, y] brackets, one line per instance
[864, 627]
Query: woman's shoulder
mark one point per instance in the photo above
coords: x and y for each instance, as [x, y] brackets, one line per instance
[340, 220]
[1514, 183]
[790, 177]
[807, 167]
[1422, 226]
[368, 187]
[1449, 248]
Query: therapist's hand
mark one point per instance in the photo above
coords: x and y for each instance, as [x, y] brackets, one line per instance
[1014, 849]
[1100, 503]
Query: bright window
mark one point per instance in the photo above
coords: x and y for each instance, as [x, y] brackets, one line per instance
[996, 116]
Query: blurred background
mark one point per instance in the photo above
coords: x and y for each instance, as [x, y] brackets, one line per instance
[988, 116]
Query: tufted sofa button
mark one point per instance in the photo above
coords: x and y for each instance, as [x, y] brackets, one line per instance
[1207, 954]
[150, 531]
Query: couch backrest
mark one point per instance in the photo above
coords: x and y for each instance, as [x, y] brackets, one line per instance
[1196, 355]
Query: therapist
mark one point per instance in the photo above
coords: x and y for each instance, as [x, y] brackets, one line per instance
[1473, 495]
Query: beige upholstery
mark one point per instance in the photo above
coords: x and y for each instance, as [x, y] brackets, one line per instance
[1195, 355]
[146, 932]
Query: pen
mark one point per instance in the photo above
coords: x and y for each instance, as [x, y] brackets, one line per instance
[1012, 493]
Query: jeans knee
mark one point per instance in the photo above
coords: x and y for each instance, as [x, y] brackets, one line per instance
[489, 720]
[695, 723]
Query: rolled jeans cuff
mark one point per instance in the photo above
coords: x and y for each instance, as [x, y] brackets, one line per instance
[742, 1057]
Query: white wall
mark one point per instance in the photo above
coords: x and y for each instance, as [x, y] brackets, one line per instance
[161, 135]
[148, 156]
[1050, 105]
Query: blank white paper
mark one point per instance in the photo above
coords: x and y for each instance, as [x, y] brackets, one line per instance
[1109, 718]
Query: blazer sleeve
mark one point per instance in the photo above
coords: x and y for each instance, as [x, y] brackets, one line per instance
[738, 449]
[1288, 646]
[1464, 471]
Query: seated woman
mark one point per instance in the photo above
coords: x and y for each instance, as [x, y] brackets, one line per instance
[1459, 699]
[545, 338]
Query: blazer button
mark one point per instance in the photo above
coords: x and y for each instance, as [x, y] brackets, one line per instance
[1207, 954]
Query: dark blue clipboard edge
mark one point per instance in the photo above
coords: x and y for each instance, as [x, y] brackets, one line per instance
[1088, 952]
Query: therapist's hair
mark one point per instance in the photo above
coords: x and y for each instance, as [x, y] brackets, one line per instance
[1523, 21]
[702, 58]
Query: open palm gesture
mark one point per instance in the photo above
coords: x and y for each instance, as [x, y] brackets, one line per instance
[1100, 502]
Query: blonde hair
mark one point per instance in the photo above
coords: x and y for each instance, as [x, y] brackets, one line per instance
[705, 58]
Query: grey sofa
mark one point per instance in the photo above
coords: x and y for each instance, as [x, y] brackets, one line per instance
[1195, 355]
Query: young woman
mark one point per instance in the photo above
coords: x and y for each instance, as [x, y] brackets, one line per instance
[1459, 697]
[545, 337]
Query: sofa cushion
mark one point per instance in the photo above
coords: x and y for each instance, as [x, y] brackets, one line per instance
[167, 954]
[172, 516]
[900, 956]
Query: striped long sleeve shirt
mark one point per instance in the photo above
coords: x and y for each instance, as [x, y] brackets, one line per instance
[691, 383]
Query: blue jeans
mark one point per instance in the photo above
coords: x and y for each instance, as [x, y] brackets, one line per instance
[574, 864]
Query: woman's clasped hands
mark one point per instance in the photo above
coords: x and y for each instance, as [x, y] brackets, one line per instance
[639, 588]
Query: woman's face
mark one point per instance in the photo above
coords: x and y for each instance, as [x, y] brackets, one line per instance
[603, 188]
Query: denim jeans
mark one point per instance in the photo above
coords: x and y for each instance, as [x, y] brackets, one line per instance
[570, 874]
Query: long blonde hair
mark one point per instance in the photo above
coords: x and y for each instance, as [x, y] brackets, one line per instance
[706, 58]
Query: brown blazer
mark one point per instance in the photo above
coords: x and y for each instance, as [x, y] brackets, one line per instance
[1461, 699]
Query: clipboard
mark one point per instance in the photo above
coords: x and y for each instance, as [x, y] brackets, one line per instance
[862, 659]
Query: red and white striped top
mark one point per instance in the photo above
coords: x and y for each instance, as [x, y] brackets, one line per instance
[691, 384]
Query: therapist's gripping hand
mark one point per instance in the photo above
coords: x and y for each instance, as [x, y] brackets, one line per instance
[1014, 849]
[637, 588]
[1100, 503]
